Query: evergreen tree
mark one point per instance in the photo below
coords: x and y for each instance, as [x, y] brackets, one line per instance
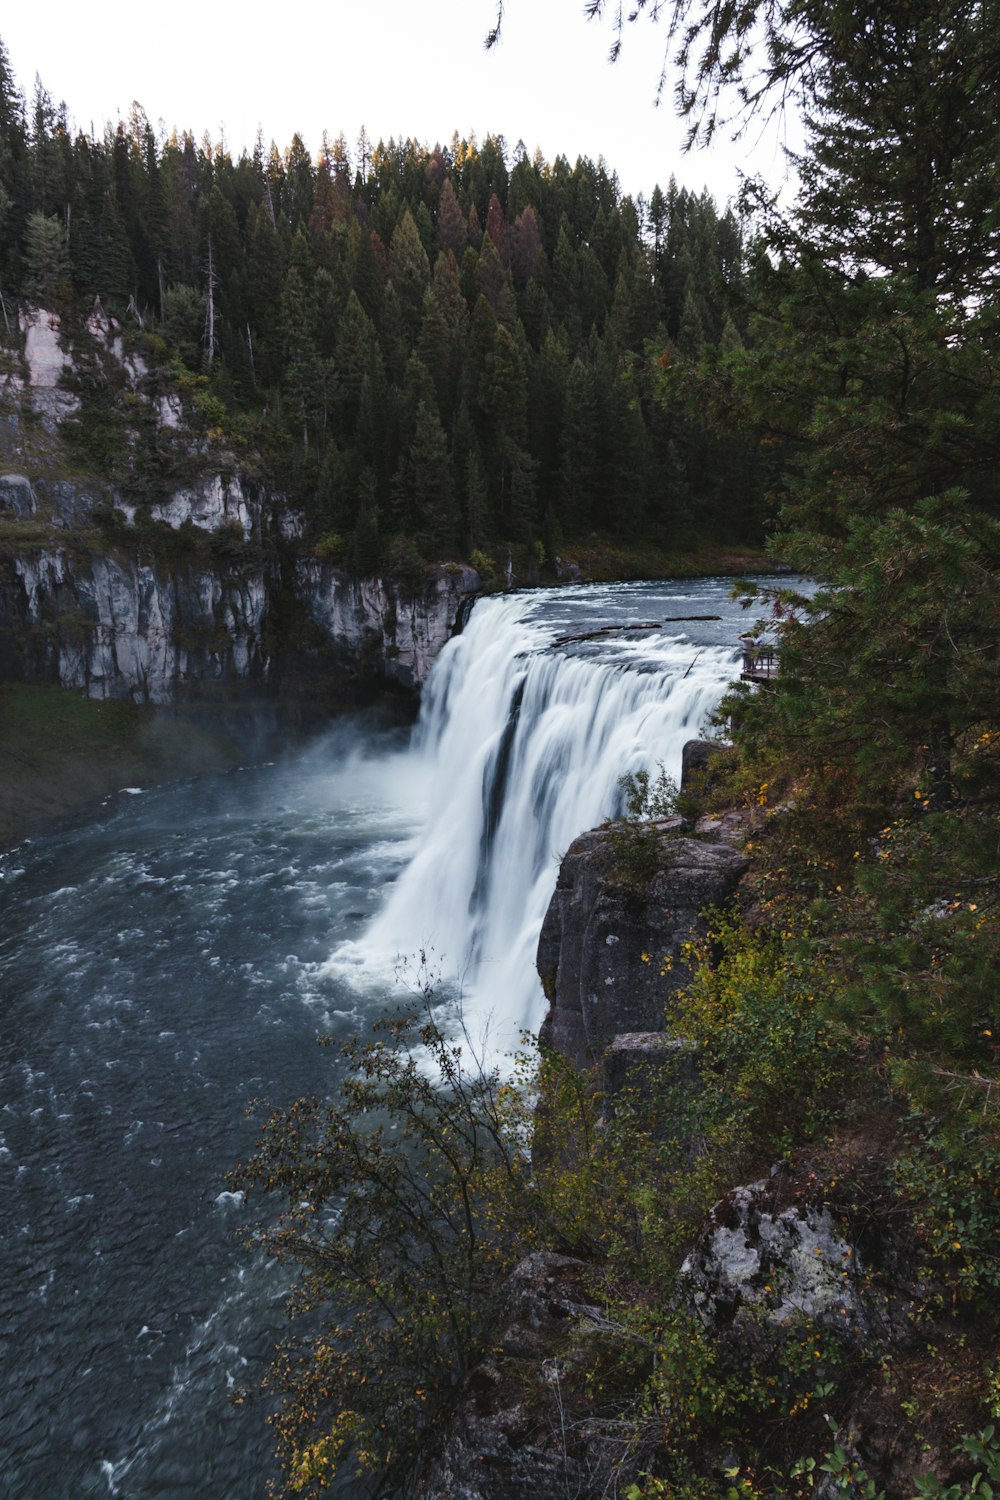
[46, 258]
[451, 222]
[357, 343]
[874, 381]
[270, 274]
[367, 277]
[265, 279]
[303, 370]
[425, 494]
[579, 459]
[410, 271]
[525, 246]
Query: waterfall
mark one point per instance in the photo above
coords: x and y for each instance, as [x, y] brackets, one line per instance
[522, 738]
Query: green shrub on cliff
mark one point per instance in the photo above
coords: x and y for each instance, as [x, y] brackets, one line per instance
[636, 845]
[407, 1199]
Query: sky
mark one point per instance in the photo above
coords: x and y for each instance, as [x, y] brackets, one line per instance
[399, 67]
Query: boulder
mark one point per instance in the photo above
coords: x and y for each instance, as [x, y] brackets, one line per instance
[17, 498]
[696, 757]
[763, 1261]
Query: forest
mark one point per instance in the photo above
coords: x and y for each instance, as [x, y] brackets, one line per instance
[436, 351]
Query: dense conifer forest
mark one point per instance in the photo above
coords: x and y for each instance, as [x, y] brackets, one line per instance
[437, 351]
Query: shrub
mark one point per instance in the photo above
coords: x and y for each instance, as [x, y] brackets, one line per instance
[484, 566]
[406, 1201]
[331, 547]
[636, 846]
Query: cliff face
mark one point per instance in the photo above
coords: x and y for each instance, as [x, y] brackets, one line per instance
[798, 1252]
[610, 954]
[376, 619]
[121, 628]
[118, 626]
[154, 593]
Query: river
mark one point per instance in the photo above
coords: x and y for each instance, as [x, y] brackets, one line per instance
[176, 957]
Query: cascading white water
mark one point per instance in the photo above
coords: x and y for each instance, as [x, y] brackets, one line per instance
[523, 743]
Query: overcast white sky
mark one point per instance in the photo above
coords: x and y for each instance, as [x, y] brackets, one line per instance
[400, 67]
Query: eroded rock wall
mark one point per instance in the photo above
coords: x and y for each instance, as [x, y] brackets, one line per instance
[204, 580]
[376, 619]
[115, 626]
[119, 628]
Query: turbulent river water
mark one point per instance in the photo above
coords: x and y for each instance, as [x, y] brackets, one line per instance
[176, 957]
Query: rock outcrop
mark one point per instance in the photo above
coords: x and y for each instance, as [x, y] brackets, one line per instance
[214, 501]
[194, 576]
[769, 1256]
[118, 628]
[611, 950]
[399, 631]
[46, 363]
[17, 498]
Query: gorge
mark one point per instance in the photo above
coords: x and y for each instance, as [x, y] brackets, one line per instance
[176, 956]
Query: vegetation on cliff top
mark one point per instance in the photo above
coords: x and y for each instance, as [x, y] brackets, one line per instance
[440, 348]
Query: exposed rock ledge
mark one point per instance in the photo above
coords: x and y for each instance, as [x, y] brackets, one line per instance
[791, 1248]
[610, 957]
[118, 627]
[405, 632]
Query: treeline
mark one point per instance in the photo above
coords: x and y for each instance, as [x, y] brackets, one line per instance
[449, 344]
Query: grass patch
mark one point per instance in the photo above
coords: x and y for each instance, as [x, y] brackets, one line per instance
[24, 533]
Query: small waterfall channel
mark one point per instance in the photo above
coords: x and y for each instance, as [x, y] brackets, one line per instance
[175, 957]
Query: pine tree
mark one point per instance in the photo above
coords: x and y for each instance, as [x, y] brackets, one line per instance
[303, 370]
[870, 369]
[451, 222]
[525, 246]
[410, 272]
[46, 258]
[425, 495]
[265, 278]
[579, 458]
[367, 275]
[899, 175]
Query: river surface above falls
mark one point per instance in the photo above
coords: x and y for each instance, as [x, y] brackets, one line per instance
[176, 957]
